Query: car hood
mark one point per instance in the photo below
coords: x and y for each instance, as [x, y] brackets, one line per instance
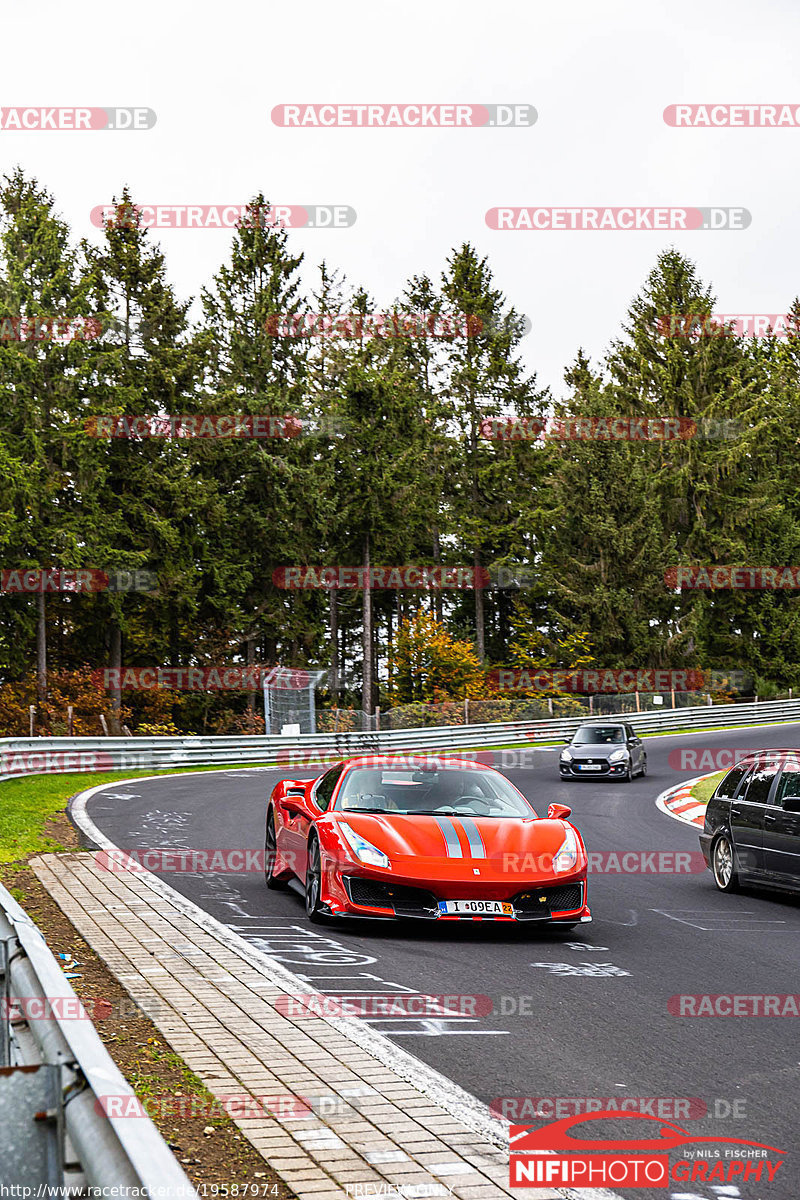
[454, 847]
[585, 750]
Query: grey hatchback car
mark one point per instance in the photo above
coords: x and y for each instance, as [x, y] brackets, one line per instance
[608, 751]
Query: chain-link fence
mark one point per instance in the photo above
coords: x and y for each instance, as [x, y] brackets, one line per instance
[498, 709]
[347, 720]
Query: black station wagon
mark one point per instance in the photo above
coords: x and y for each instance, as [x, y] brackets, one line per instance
[752, 823]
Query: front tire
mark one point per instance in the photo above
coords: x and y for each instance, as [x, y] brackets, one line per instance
[314, 910]
[644, 766]
[723, 865]
[628, 776]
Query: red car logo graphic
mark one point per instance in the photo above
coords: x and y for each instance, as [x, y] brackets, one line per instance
[524, 1140]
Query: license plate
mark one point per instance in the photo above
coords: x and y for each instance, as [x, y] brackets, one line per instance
[476, 908]
[590, 767]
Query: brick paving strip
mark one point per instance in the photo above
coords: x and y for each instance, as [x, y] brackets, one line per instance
[213, 998]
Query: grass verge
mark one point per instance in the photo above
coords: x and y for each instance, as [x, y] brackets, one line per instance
[703, 789]
[210, 1147]
[27, 804]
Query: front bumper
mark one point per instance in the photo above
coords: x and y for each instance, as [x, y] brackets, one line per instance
[601, 768]
[554, 902]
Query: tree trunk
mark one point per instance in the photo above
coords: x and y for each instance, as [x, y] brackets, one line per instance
[376, 633]
[480, 637]
[366, 644]
[345, 682]
[437, 558]
[115, 662]
[390, 647]
[41, 651]
[333, 678]
[479, 609]
[250, 657]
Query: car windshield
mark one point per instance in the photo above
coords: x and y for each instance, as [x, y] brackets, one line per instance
[431, 791]
[600, 735]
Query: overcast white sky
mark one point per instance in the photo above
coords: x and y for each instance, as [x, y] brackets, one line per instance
[599, 75]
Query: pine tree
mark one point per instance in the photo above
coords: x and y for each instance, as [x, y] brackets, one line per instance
[43, 319]
[484, 379]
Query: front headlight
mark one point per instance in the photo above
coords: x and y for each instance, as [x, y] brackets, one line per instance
[566, 756]
[566, 857]
[364, 851]
[618, 756]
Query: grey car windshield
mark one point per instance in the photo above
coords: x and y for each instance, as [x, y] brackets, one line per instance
[600, 735]
[443, 791]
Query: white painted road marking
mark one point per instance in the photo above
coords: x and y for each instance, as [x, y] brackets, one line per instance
[591, 970]
[711, 921]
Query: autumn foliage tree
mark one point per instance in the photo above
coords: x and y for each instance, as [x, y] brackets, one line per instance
[430, 665]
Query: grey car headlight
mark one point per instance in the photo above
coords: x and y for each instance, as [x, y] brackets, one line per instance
[566, 756]
[618, 756]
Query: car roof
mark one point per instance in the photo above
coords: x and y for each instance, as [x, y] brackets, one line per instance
[768, 750]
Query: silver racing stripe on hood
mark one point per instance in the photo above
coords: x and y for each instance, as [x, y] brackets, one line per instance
[451, 837]
[473, 837]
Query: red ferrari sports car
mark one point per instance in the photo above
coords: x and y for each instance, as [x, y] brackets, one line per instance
[441, 839]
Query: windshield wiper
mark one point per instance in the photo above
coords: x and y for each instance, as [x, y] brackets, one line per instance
[350, 811]
[434, 812]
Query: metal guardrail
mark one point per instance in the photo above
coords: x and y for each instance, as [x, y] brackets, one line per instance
[46, 755]
[53, 1071]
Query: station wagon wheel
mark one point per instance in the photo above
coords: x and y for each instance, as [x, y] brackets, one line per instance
[723, 865]
[270, 851]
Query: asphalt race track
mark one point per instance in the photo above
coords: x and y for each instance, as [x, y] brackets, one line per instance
[582, 1014]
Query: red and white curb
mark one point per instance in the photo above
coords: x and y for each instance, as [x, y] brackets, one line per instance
[678, 802]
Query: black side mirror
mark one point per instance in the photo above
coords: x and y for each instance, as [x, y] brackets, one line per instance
[791, 804]
[567, 741]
